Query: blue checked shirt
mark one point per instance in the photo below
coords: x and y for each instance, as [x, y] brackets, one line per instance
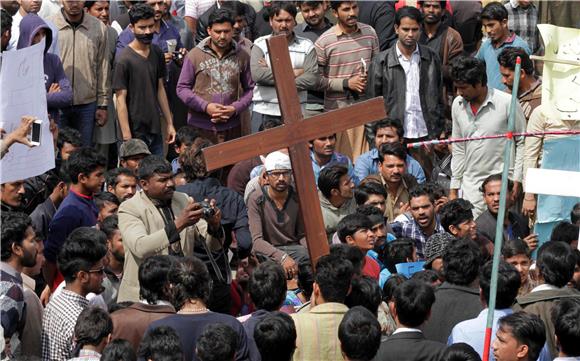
[412, 229]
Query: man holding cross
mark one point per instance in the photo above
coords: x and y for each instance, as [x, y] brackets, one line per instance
[295, 136]
[274, 216]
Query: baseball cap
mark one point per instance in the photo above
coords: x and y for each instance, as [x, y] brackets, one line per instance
[436, 245]
[277, 161]
[133, 147]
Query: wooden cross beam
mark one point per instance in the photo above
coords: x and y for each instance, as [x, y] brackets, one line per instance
[295, 135]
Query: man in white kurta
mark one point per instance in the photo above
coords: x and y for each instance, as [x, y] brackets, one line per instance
[475, 160]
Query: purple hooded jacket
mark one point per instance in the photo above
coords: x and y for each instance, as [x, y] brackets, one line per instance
[53, 70]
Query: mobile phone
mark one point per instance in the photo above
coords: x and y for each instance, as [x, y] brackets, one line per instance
[36, 132]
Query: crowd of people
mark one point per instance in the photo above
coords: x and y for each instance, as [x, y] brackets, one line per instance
[131, 249]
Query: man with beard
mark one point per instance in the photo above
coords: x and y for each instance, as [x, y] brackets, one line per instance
[515, 225]
[314, 25]
[12, 195]
[423, 222]
[139, 84]
[158, 220]
[442, 39]
[394, 177]
[19, 250]
[530, 86]
[343, 52]
[302, 56]
[122, 182]
[81, 261]
[480, 110]
[212, 75]
[115, 259]
[274, 216]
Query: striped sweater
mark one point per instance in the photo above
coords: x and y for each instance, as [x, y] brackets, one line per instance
[339, 57]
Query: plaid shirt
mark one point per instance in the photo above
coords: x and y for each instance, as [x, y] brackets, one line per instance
[412, 229]
[58, 323]
[12, 304]
[523, 22]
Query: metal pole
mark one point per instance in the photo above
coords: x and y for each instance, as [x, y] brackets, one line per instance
[501, 213]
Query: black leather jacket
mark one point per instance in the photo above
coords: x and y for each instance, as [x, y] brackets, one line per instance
[386, 77]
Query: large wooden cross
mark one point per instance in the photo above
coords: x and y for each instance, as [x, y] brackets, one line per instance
[295, 135]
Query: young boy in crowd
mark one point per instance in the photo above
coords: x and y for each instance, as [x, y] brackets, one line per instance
[356, 230]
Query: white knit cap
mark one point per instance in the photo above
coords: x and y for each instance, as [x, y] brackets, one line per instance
[277, 161]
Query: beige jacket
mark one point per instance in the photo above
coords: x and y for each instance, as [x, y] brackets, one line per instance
[84, 56]
[143, 232]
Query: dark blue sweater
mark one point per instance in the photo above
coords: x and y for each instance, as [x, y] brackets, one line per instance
[75, 211]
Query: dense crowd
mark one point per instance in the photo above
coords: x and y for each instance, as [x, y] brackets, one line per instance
[131, 249]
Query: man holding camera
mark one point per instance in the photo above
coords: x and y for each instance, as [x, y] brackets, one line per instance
[158, 220]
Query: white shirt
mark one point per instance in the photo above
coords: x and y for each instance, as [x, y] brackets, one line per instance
[406, 329]
[543, 287]
[414, 124]
[195, 8]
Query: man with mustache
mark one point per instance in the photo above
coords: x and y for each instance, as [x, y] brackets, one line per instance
[423, 222]
[515, 225]
[159, 220]
[344, 51]
[215, 81]
[274, 217]
[19, 250]
[393, 176]
[442, 39]
[322, 154]
[314, 25]
[12, 196]
[480, 110]
[302, 56]
[408, 76]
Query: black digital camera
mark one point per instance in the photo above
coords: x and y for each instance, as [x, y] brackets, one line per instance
[207, 210]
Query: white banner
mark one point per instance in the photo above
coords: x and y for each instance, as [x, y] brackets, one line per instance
[23, 93]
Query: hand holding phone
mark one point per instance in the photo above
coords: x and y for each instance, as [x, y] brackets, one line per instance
[36, 132]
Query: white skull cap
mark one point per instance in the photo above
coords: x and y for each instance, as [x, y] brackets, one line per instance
[277, 161]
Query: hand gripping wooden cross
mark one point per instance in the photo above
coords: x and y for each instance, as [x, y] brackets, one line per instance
[295, 135]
